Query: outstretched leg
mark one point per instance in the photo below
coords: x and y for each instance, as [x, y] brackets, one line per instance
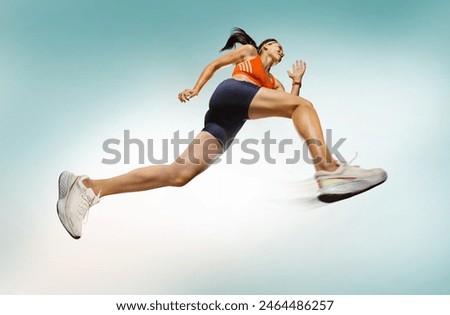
[195, 159]
[78, 193]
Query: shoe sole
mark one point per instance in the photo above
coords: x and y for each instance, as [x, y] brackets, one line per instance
[64, 185]
[348, 190]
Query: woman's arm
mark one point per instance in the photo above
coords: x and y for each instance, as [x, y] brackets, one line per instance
[233, 57]
[298, 70]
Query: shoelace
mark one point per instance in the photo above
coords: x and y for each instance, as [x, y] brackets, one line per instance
[349, 163]
[83, 208]
[354, 158]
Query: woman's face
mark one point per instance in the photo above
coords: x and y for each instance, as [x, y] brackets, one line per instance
[275, 50]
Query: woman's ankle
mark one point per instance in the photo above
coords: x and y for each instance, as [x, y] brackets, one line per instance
[89, 183]
[327, 167]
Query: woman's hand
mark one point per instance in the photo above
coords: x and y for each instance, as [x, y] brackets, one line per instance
[187, 94]
[298, 70]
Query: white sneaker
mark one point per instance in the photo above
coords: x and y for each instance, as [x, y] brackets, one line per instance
[347, 181]
[74, 202]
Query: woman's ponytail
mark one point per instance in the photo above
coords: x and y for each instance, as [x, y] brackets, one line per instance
[238, 35]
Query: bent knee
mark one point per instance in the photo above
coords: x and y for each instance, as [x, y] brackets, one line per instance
[302, 105]
[181, 180]
[305, 104]
[179, 177]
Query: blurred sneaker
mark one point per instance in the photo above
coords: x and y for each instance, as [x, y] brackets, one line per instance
[74, 202]
[347, 181]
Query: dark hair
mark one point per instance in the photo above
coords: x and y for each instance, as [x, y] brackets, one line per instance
[238, 35]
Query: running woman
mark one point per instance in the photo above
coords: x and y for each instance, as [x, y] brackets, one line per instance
[252, 92]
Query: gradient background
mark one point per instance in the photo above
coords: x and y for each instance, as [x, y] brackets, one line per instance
[75, 73]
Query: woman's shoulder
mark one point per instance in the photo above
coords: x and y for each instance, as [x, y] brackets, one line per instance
[248, 51]
[250, 48]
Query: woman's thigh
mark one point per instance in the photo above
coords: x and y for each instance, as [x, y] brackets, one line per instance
[200, 153]
[273, 103]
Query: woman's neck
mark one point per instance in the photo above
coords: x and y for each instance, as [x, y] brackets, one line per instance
[267, 62]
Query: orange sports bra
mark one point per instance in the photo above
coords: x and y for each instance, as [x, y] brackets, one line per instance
[254, 70]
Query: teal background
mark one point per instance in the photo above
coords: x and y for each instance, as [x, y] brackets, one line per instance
[75, 73]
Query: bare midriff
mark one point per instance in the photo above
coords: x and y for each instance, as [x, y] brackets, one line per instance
[242, 77]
